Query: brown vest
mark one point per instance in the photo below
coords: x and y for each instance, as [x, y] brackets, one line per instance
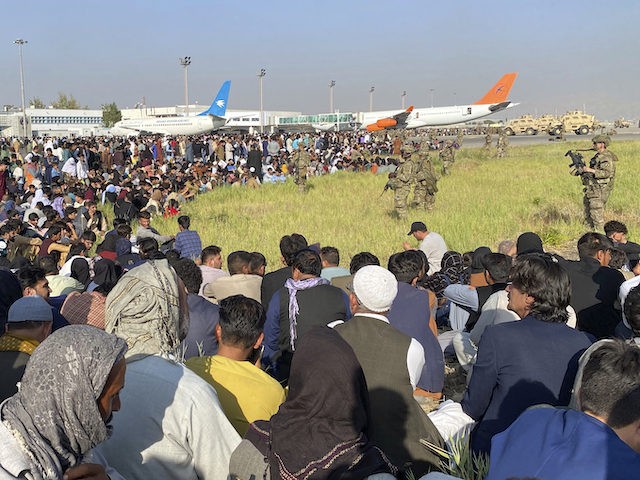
[397, 421]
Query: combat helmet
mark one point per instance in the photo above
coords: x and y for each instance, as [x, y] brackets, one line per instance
[602, 138]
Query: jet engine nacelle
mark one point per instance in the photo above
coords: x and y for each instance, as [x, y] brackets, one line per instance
[387, 122]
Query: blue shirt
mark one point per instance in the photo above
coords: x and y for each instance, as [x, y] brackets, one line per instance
[188, 243]
[559, 444]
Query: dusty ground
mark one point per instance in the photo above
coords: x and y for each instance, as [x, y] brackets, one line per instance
[454, 385]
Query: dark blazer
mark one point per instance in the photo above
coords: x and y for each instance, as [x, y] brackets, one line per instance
[203, 318]
[272, 282]
[410, 314]
[520, 364]
[594, 291]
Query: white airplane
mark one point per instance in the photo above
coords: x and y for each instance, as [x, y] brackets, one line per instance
[210, 119]
[495, 100]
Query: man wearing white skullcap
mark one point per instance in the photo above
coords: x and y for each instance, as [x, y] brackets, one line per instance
[392, 363]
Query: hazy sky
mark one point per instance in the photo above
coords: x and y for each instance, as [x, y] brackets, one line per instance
[568, 53]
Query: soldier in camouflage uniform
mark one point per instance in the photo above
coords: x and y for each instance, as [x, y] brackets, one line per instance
[487, 142]
[447, 155]
[402, 182]
[459, 138]
[424, 193]
[302, 161]
[598, 179]
[501, 146]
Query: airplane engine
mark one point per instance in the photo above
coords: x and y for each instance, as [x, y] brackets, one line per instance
[387, 122]
[374, 128]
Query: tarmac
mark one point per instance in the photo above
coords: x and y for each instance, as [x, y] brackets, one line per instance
[624, 134]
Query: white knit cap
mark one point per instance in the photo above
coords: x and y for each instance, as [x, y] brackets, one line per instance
[375, 287]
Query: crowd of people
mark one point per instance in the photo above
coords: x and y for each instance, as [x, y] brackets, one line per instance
[127, 353]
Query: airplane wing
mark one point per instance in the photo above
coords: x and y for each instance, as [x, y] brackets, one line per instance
[143, 131]
[399, 120]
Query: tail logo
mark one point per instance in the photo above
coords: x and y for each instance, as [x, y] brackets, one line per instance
[220, 103]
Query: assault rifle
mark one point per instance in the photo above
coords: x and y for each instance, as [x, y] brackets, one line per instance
[577, 160]
[389, 184]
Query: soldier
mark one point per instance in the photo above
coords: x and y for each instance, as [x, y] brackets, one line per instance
[487, 142]
[598, 179]
[447, 155]
[426, 179]
[501, 146]
[402, 182]
[302, 161]
[459, 137]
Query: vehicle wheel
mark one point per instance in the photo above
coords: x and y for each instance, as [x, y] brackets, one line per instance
[583, 130]
[509, 132]
[530, 131]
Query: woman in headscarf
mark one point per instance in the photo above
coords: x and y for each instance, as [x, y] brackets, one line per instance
[320, 431]
[61, 412]
[81, 271]
[451, 271]
[106, 275]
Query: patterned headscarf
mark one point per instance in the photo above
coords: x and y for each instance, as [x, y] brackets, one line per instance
[450, 273]
[144, 309]
[55, 416]
[293, 286]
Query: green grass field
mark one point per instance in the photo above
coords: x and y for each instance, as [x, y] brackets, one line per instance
[483, 201]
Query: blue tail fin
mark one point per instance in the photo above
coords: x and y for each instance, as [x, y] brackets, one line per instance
[219, 105]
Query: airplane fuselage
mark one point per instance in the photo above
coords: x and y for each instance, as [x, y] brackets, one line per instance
[169, 125]
[438, 116]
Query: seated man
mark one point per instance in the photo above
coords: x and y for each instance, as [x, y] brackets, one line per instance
[146, 230]
[411, 315]
[211, 266]
[28, 323]
[203, 315]
[59, 284]
[528, 362]
[290, 245]
[617, 232]
[594, 286]
[330, 261]
[173, 426]
[240, 281]
[601, 441]
[358, 261]
[305, 301]
[33, 281]
[246, 393]
[51, 244]
[493, 311]
[392, 363]
[188, 242]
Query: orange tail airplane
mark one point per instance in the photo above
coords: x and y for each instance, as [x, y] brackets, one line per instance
[495, 100]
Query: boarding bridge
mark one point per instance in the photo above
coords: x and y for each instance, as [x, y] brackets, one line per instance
[323, 121]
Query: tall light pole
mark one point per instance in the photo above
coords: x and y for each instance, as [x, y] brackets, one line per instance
[371, 90]
[332, 84]
[432, 90]
[403, 96]
[20, 42]
[185, 62]
[261, 75]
